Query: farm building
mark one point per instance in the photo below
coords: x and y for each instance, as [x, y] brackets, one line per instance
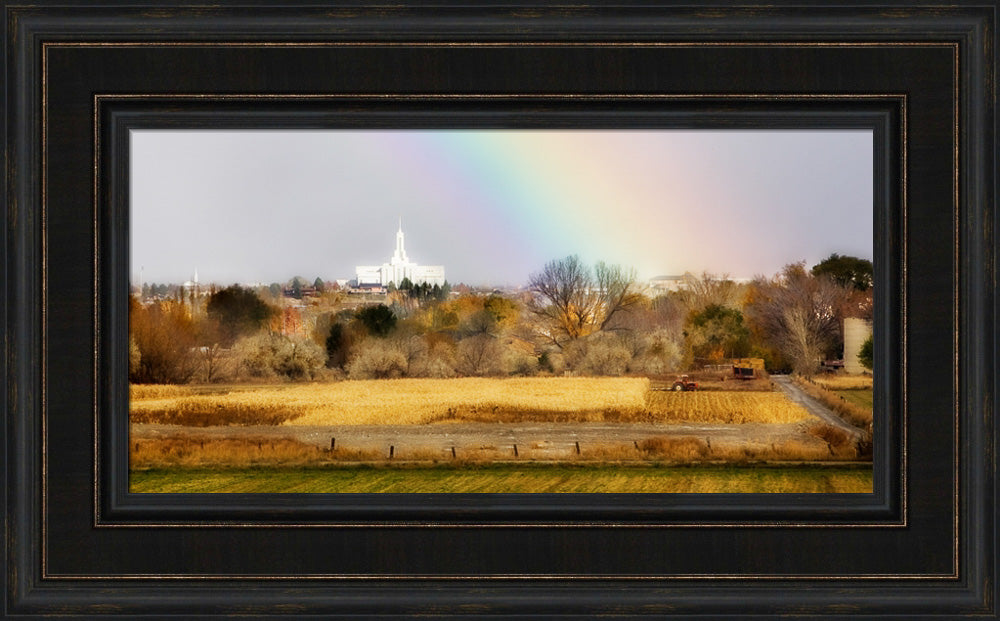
[856, 332]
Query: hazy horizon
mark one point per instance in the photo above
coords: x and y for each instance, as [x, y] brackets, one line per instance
[493, 206]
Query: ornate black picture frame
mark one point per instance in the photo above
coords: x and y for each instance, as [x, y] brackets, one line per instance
[79, 77]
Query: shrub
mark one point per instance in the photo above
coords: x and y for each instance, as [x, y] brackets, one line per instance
[866, 356]
[434, 367]
[300, 359]
[437, 361]
[520, 363]
[679, 449]
[377, 359]
[602, 355]
[660, 355]
[270, 355]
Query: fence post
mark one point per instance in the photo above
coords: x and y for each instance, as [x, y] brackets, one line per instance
[577, 448]
[515, 450]
[392, 449]
[333, 444]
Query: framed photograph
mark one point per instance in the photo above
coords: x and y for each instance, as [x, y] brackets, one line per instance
[525, 362]
[339, 310]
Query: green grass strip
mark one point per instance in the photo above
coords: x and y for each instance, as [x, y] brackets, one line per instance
[860, 398]
[507, 479]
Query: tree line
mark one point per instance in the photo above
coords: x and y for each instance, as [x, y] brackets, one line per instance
[572, 317]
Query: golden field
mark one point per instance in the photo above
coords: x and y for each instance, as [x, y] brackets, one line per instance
[399, 402]
[419, 401]
[725, 407]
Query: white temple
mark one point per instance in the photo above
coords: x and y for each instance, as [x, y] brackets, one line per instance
[398, 268]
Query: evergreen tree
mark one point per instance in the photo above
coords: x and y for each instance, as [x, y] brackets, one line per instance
[378, 320]
[846, 271]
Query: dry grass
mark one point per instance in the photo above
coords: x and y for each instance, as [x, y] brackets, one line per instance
[844, 382]
[675, 449]
[790, 450]
[403, 401]
[725, 407]
[184, 450]
[834, 436]
[157, 391]
[205, 411]
[842, 444]
[695, 450]
[192, 451]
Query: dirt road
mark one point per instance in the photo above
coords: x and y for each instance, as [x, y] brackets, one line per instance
[811, 405]
[537, 438]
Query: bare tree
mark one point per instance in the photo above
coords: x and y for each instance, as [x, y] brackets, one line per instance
[798, 313]
[480, 355]
[700, 292]
[574, 301]
[211, 359]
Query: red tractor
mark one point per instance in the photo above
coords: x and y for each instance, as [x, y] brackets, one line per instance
[683, 383]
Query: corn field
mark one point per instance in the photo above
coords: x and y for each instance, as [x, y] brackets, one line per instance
[399, 402]
[725, 407]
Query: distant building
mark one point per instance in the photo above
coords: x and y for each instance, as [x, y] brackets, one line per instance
[192, 285]
[398, 268]
[670, 282]
[680, 282]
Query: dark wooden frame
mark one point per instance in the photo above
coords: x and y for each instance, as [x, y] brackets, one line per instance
[78, 77]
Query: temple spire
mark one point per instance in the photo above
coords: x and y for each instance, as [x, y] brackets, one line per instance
[400, 254]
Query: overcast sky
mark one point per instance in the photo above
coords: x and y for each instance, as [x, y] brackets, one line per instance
[494, 206]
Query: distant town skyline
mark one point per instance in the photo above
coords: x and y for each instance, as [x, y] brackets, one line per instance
[493, 206]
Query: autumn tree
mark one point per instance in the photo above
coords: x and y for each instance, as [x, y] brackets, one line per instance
[717, 332]
[506, 312]
[798, 313]
[165, 337]
[572, 300]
